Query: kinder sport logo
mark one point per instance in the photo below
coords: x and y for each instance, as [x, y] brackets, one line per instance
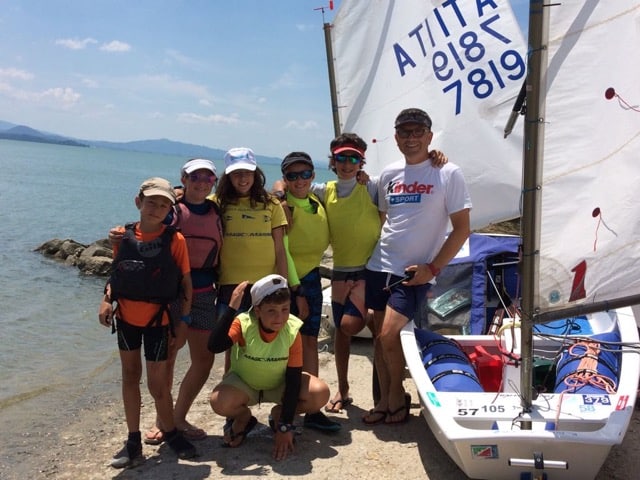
[399, 192]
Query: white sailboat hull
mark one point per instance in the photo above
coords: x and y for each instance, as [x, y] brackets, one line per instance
[570, 436]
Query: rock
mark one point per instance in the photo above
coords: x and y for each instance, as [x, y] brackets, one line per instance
[69, 248]
[100, 266]
[50, 248]
[93, 259]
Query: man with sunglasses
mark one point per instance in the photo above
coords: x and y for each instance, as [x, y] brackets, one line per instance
[417, 201]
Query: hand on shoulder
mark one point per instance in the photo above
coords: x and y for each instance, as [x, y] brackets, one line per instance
[438, 158]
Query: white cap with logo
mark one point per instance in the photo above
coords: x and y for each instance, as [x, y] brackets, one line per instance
[240, 158]
[266, 286]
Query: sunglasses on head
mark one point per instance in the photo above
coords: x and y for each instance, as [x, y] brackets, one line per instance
[304, 175]
[415, 132]
[354, 159]
[202, 177]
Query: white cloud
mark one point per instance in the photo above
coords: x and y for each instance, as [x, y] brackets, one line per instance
[90, 83]
[75, 43]
[215, 119]
[306, 125]
[182, 59]
[166, 83]
[59, 97]
[14, 73]
[305, 27]
[65, 97]
[205, 102]
[294, 76]
[115, 46]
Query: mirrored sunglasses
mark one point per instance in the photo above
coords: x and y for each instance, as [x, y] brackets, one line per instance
[348, 158]
[304, 175]
[202, 177]
[416, 132]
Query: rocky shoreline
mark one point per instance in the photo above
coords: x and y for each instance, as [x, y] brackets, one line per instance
[92, 259]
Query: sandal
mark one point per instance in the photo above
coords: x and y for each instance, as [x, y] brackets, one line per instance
[154, 436]
[193, 433]
[336, 406]
[233, 436]
[395, 412]
[381, 416]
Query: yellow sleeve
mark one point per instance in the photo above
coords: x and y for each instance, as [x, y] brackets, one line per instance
[293, 279]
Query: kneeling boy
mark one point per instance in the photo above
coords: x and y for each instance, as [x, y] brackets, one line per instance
[266, 365]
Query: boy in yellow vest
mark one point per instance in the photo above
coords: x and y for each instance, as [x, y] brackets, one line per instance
[266, 365]
[308, 238]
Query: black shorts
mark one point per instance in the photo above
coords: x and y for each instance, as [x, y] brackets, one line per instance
[156, 340]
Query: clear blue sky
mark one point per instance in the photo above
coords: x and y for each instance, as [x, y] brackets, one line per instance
[210, 72]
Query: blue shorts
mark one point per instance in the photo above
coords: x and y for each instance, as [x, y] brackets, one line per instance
[350, 284]
[156, 340]
[312, 289]
[403, 299]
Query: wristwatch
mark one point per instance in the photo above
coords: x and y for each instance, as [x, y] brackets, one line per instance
[285, 427]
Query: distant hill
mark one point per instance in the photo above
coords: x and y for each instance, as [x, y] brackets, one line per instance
[163, 146]
[28, 134]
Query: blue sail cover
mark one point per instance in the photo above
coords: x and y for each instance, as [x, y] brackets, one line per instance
[464, 298]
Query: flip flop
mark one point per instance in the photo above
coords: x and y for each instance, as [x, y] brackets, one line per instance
[233, 436]
[331, 407]
[381, 417]
[396, 412]
[154, 436]
[194, 433]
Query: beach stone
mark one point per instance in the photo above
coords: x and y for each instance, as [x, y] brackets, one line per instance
[50, 248]
[93, 259]
[69, 248]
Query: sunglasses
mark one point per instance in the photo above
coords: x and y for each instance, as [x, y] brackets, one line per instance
[202, 177]
[416, 132]
[304, 175]
[348, 159]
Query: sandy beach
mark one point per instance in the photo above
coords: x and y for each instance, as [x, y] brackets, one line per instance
[71, 432]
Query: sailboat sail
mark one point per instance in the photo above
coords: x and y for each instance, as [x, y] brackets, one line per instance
[463, 62]
[590, 226]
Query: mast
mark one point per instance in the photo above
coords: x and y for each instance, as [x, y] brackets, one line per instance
[328, 45]
[532, 178]
[332, 78]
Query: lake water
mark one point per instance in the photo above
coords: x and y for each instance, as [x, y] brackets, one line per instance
[49, 333]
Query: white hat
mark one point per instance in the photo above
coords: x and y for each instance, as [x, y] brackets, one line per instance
[197, 164]
[157, 186]
[240, 158]
[266, 286]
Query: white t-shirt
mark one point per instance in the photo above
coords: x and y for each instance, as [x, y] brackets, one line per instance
[418, 200]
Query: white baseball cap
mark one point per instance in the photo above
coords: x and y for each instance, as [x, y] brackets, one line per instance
[266, 286]
[240, 158]
[197, 164]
